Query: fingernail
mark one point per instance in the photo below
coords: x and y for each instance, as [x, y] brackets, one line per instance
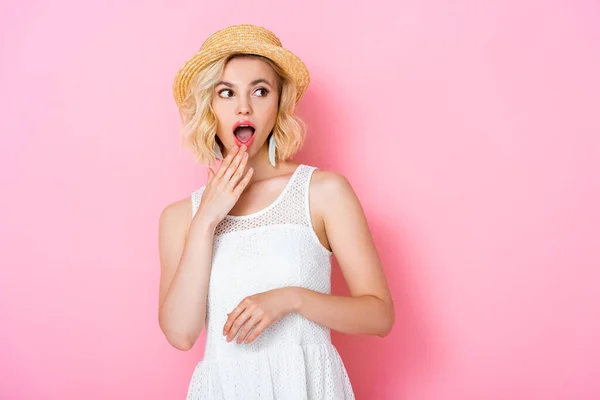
[235, 148]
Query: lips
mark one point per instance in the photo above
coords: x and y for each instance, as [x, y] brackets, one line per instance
[243, 133]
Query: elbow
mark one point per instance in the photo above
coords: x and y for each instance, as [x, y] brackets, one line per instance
[180, 342]
[180, 339]
[387, 320]
[386, 327]
[183, 341]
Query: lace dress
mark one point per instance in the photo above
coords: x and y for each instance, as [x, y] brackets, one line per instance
[294, 357]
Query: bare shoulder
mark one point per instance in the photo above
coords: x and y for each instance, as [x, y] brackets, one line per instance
[177, 216]
[330, 185]
[336, 212]
[332, 193]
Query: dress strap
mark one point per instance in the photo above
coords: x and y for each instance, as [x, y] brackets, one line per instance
[304, 179]
[298, 195]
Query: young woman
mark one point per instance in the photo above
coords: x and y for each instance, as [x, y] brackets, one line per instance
[248, 255]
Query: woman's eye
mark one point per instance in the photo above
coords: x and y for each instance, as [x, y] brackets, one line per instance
[263, 91]
[221, 93]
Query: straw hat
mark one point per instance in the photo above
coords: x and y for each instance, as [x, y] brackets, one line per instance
[246, 39]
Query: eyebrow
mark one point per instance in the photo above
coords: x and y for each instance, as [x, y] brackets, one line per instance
[254, 82]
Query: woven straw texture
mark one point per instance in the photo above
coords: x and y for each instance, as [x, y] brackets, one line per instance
[245, 39]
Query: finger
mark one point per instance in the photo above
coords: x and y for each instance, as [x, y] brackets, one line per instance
[227, 161]
[239, 172]
[233, 315]
[211, 174]
[237, 324]
[262, 325]
[234, 164]
[230, 318]
[244, 182]
[248, 327]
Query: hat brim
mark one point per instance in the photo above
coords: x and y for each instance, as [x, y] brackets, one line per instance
[285, 59]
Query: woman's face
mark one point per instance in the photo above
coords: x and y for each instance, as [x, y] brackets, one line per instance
[245, 102]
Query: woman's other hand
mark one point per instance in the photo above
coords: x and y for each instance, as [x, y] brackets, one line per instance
[257, 312]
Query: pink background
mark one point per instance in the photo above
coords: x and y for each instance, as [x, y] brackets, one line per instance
[469, 129]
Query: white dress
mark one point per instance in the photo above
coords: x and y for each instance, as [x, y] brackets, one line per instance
[294, 357]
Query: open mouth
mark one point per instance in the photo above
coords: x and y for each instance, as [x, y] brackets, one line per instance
[244, 133]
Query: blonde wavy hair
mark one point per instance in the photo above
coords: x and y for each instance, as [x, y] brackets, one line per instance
[199, 122]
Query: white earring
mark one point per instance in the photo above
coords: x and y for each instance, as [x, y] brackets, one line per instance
[217, 151]
[272, 149]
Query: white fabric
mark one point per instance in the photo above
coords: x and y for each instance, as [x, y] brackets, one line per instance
[293, 358]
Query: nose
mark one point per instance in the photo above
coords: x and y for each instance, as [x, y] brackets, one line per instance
[243, 106]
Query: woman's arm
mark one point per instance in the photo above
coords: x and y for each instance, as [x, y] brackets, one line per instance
[185, 259]
[369, 309]
[342, 224]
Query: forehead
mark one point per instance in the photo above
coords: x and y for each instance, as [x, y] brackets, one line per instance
[247, 69]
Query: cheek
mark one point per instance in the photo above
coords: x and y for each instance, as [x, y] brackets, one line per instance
[221, 112]
[270, 112]
[218, 108]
